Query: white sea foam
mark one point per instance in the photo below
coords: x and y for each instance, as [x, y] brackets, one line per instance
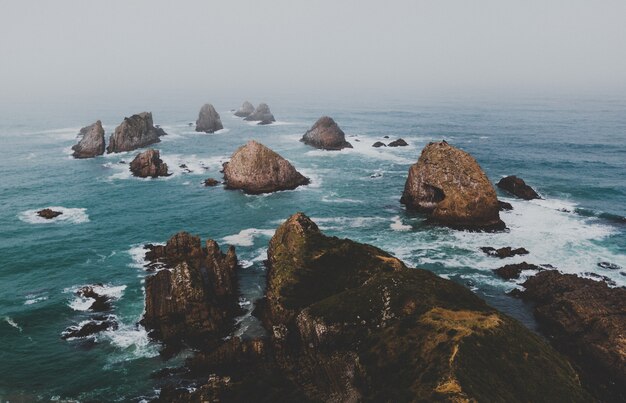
[333, 198]
[133, 338]
[12, 323]
[138, 254]
[364, 148]
[80, 303]
[31, 299]
[246, 237]
[70, 216]
[339, 223]
[397, 224]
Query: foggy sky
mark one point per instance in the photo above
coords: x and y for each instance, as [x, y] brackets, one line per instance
[238, 47]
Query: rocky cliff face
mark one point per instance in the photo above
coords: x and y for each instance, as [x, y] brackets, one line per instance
[518, 187]
[134, 132]
[148, 164]
[261, 113]
[245, 110]
[255, 169]
[326, 134]
[449, 185]
[208, 120]
[91, 143]
[194, 299]
[586, 320]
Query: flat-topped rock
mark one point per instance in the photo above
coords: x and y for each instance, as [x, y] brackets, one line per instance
[208, 120]
[134, 132]
[91, 143]
[261, 113]
[148, 164]
[448, 184]
[255, 169]
[245, 110]
[326, 134]
[513, 271]
[48, 214]
[518, 187]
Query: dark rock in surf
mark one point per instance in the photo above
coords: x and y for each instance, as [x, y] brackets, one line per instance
[609, 266]
[398, 143]
[211, 182]
[91, 327]
[48, 214]
[208, 120]
[379, 144]
[102, 302]
[261, 113]
[504, 252]
[513, 271]
[326, 134]
[91, 143]
[134, 132]
[148, 164]
[245, 110]
[518, 187]
[504, 206]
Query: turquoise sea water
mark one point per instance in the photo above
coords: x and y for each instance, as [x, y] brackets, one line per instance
[572, 152]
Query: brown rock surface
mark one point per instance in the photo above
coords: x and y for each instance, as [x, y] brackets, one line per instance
[449, 185]
[148, 164]
[91, 143]
[513, 271]
[518, 187]
[134, 132]
[48, 214]
[586, 320]
[256, 169]
[326, 134]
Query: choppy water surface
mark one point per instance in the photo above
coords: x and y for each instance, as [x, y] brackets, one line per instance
[573, 153]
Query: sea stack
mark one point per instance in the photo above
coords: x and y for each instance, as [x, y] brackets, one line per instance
[262, 114]
[256, 169]
[245, 110]
[134, 132]
[449, 185]
[148, 164]
[208, 120]
[194, 299]
[326, 134]
[518, 187]
[91, 143]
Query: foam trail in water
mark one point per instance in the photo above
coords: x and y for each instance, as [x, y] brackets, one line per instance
[80, 303]
[12, 323]
[397, 224]
[246, 237]
[70, 215]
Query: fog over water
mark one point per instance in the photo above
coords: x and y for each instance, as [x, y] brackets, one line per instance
[52, 50]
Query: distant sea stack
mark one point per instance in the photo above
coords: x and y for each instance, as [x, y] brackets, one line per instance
[262, 114]
[91, 143]
[518, 187]
[134, 132]
[256, 169]
[245, 110]
[326, 134]
[148, 164]
[208, 120]
[449, 185]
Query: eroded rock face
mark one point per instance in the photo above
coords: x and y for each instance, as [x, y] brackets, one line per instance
[245, 110]
[518, 187]
[91, 143]
[256, 169]
[48, 214]
[208, 120]
[134, 132]
[261, 113]
[586, 320]
[449, 185]
[148, 164]
[326, 134]
[194, 299]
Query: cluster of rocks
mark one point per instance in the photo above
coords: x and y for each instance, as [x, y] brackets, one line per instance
[100, 319]
[260, 114]
[349, 322]
[134, 132]
[395, 143]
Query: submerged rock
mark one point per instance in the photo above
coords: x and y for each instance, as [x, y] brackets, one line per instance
[91, 143]
[504, 252]
[208, 120]
[326, 134]
[134, 132]
[256, 169]
[586, 320]
[513, 271]
[398, 143]
[449, 185]
[504, 206]
[102, 302]
[48, 214]
[379, 144]
[148, 164]
[194, 300]
[518, 187]
[245, 110]
[211, 182]
[261, 113]
[90, 327]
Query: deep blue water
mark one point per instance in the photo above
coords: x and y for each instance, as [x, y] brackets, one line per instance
[572, 151]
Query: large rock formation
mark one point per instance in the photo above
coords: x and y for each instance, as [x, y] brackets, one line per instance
[134, 132]
[245, 110]
[326, 134]
[586, 320]
[91, 142]
[148, 164]
[518, 187]
[208, 120]
[194, 299]
[256, 169]
[261, 113]
[449, 185]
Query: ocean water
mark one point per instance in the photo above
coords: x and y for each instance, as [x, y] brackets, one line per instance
[573, 152]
